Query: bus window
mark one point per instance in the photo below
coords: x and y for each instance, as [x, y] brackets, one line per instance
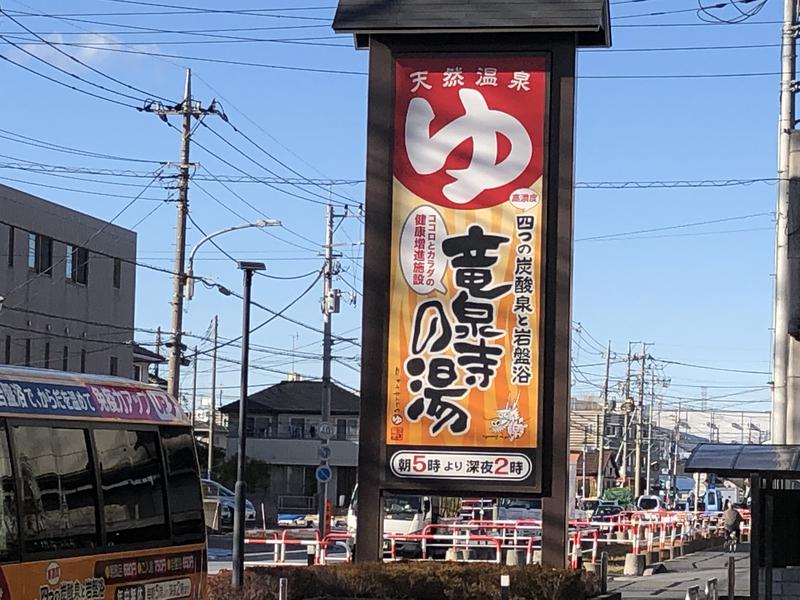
[133, 486]
[58, 489]
[9, 538]
[185, 501]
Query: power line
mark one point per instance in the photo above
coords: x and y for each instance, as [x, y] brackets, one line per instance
[258, 164]
[82, 191]
[51, 334]
[300, 68]
[275, 315]
[257, 211]
[316, 41]
[280, 162]
[38, 143]
[673, 227]
[242, 171]
[69, 73]
[66, 85]
[705, 367]
[82, 63]
[253, 12]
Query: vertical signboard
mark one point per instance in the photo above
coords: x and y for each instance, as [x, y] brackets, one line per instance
[466, 281]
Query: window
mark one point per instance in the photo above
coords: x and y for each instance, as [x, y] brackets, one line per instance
[8, 349]
[77, 264]
[40, 253]
[58, 491]
[297, 426]
[9, 536]
[117, 273]
[28, 352]
[185, 501]
[31, 250]
[113, 367]
[69, 262]
[65, 359]
[11, 233]
[83, 360]
[137, 373]
[341, 429]
[47, 355]
[132, 484]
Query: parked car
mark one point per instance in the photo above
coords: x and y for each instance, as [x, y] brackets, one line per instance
[293, 520]
[650, 503]
[606, 512]
[216, 492]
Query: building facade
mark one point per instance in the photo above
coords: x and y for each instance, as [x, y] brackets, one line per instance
[282, 426]
[67, 282]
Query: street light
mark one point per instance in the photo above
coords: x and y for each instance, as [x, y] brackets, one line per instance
[238, 515]
[190, 273]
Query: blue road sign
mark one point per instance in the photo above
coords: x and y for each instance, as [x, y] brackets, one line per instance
[324, 473]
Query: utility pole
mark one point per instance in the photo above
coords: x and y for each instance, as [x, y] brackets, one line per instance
[782, 404]
[674, 470]
[188, 108]
[330, 305]
[194, 385]
[637, 468]
[158, 348]
[211, 415]
[601, 429]
[647, 486]
[626, 410]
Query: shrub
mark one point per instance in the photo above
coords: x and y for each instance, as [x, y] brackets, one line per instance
[406, 581]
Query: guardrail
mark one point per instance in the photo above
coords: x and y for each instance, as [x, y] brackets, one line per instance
[663, 534]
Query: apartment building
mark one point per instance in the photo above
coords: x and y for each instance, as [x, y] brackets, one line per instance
[67, 282]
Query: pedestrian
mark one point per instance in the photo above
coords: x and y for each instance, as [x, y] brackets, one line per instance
[732, 521]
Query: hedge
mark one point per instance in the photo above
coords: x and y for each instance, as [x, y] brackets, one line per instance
[406, 581]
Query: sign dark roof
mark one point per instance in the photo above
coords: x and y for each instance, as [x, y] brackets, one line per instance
[297, 397]
[742, 460]
[589, 18]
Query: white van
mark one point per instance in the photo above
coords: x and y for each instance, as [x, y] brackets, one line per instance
[650, 504]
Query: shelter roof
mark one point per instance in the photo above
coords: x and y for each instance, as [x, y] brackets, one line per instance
[742, 460]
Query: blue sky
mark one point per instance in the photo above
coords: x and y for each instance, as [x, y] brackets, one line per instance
[701, 294]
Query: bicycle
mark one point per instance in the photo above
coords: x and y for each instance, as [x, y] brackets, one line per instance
[731, 539]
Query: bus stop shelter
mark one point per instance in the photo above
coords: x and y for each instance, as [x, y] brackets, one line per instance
[774, 474]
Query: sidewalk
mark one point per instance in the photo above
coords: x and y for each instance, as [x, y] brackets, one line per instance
[686, 571]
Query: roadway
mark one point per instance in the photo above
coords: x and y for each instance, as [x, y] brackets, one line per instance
[220, 551]
[686, 571]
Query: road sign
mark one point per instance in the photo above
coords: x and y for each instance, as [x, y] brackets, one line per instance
[324, 473]
[325, 430]
[324, 452]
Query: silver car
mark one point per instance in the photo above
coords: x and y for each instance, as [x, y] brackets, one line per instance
[226, 499]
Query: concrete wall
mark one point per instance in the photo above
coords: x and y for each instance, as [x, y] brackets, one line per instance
[50, 309]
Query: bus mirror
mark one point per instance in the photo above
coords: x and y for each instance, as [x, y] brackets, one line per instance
[341, 500]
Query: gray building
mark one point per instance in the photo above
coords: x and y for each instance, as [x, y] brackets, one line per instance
[67, 282]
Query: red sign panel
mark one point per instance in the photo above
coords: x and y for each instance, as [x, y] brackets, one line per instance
[469, 131]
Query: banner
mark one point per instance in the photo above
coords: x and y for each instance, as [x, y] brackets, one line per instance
[466, 279]
[124, 403]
